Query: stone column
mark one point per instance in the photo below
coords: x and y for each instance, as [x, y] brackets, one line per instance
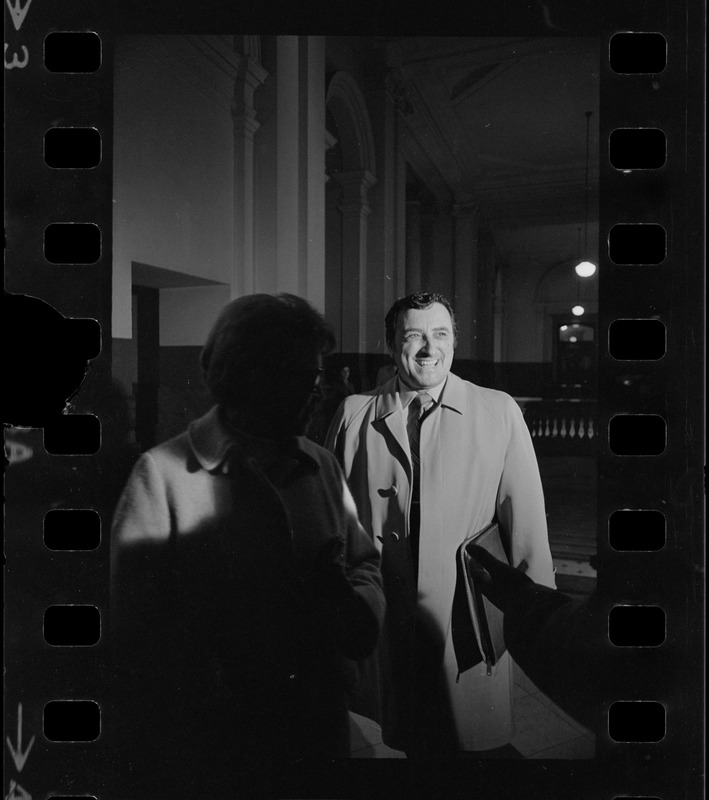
[485, 306]
[440, 275]
[289, 165]
[250, 76]
[300, 204]
[355, 210]
[429, 215]
[499, 312]
[413, 246]
[313, 235]
[386, 253]
[465, 267]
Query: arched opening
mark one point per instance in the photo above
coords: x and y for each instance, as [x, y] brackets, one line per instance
[350, 172]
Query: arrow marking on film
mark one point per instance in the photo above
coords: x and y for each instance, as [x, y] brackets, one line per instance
[18, 12]
[17, 755]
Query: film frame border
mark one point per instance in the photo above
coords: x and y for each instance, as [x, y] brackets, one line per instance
[619, 93]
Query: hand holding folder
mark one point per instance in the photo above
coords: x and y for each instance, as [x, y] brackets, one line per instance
[476, 622]
[500, 583]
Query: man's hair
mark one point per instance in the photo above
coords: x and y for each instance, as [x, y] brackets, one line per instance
[417, 300]
[256, 336]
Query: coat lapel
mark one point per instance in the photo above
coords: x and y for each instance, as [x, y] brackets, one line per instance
[389, 422]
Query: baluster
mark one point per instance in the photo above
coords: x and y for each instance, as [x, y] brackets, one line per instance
[591, 429]
[553, 431]
[572, 427]
[582, 428]
[563, 428]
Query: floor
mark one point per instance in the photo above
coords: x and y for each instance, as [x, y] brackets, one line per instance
[543, 729]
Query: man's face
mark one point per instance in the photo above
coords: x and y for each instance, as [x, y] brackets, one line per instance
[423, 346]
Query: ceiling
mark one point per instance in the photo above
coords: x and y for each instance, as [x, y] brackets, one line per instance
[501, 122]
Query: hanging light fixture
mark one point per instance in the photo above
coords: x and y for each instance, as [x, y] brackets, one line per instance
[586, 268]
[578, 310]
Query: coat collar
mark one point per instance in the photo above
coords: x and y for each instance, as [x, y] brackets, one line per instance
[452, 396]
[212, 443]
[209, 439]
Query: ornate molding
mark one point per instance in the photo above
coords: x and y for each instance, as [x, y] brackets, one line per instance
[398, 90]
[247, 80]
[355, 186]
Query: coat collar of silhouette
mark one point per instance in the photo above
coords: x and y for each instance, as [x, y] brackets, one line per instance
[389, 401]
[213, 443]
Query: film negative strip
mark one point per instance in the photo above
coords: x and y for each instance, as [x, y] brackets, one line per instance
[67, 459]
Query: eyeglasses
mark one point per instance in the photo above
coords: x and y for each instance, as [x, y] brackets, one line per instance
[312, 376]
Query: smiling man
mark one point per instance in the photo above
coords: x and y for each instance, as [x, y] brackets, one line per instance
[431, 459]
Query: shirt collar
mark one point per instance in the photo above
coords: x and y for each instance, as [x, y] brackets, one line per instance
[406, 395]
[451, 394]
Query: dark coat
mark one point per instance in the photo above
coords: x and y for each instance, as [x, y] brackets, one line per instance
[226, 655]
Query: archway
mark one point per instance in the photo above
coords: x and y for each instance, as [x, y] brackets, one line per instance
[350, 168]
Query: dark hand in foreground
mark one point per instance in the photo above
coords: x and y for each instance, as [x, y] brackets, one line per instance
[329, 581]
[344, 612]
[499, 582]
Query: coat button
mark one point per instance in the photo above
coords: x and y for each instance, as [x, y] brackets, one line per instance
[395, 536]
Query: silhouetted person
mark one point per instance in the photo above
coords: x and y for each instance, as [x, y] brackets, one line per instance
[242, 581]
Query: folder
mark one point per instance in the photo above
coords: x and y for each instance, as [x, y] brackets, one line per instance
[476, 623]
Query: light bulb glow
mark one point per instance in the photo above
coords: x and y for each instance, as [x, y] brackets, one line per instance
[578, 311]
[584, 269]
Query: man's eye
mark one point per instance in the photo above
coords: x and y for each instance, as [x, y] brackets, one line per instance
[410, 336]
[442, 334]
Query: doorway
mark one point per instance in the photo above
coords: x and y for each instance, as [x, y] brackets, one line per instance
[146, 335]
[575, 356]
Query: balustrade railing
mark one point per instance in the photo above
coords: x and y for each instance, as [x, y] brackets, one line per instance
[562, 427]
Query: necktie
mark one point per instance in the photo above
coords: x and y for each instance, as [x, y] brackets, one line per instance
[417, 411]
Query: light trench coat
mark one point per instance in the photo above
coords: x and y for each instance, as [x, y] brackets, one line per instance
[477, 462]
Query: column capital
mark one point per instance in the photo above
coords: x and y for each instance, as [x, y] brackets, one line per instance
[355, 185]
[244, 121]
[330, 140]
[250, 75]
[251, 72]
[357, 177]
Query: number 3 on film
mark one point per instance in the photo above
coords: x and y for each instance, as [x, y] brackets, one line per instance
[16, 62]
